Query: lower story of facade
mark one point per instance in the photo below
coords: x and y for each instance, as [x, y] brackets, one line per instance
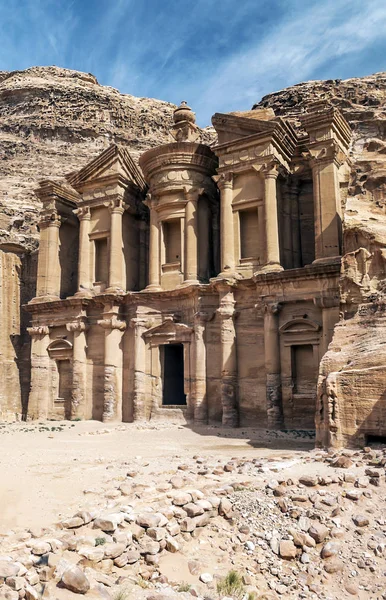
[236, 352]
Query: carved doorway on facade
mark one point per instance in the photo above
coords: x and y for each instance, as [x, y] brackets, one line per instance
[300, 339]
[169, 345]
[60, 353]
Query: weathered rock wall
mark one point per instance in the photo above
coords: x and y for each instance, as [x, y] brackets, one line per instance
[352, 381]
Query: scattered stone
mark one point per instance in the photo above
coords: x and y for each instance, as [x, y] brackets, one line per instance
[318, 532]
[206, 578]
[360, 520]
[287, 549]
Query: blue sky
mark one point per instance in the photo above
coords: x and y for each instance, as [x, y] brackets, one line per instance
[219, 55]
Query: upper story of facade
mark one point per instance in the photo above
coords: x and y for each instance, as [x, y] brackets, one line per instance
[265, 198]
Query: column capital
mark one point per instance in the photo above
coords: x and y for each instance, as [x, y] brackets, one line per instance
[116, 206]
[138, 322]
[273, 308]
[112, 322]
[226, 309]
[193, 194]
[328, 152]
[50, 220]
[224, 180]
[329, 301]
[271, 169]
[202, 317]
[78, 325]
[37, 330]
[83, 213]
[151, 200]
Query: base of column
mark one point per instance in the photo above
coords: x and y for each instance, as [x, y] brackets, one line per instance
[227, 275]
[42, 299]
[327, 260]
[270, 268]
[188, 282]
[83, 294]
[114, 289]
[152, 287]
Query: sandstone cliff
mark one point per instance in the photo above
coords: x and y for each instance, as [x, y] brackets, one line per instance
[352, 375]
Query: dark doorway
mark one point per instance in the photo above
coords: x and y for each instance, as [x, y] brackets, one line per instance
[172, 357]
[375, 440]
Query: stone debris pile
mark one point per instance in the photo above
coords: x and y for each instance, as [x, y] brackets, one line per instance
[319, 534]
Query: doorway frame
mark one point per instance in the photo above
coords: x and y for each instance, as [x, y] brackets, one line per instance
[168, 332]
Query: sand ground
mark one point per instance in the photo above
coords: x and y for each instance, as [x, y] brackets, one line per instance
[44, 473]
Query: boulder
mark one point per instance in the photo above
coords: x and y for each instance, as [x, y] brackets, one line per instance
[75, 580]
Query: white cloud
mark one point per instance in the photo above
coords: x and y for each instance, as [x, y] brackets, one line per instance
[292, 52]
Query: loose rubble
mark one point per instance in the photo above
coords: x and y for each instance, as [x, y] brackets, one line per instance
[321, 535]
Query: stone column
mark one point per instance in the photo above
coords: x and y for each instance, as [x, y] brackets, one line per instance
[139, 383]
[191, 233]
[325, 163]
[116, 247]
[84, 275]
[154, 247]
[227, 242]
[79, 406]
[48, 276]
[229, 382]
[199, 397]
[271, 172]
[273, 366]
[40, 373]
[114, 327]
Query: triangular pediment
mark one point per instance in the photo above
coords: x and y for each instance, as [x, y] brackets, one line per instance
[115, 162]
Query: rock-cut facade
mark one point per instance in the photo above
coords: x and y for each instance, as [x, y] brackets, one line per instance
[203, 282]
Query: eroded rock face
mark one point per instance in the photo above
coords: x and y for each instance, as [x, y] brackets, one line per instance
[351, 403]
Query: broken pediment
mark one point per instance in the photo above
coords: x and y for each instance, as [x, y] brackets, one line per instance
[115, 163]
[233, 126]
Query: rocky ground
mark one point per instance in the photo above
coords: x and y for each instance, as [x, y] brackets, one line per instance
[160, 512]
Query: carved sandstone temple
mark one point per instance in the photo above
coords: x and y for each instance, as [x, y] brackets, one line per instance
[204, 282]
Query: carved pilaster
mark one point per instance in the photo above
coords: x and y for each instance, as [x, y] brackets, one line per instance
[227, 235]
[48, 275]
[40, 372]
[84, 260]
[229, 381]
[198, 382]
[116, 284]
[79, 407]
[113, 327]
[273, 366]
[139, 384]
[271, 172]
[154, 245]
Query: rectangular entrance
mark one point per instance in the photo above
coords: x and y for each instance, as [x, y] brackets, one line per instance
[172, 361]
